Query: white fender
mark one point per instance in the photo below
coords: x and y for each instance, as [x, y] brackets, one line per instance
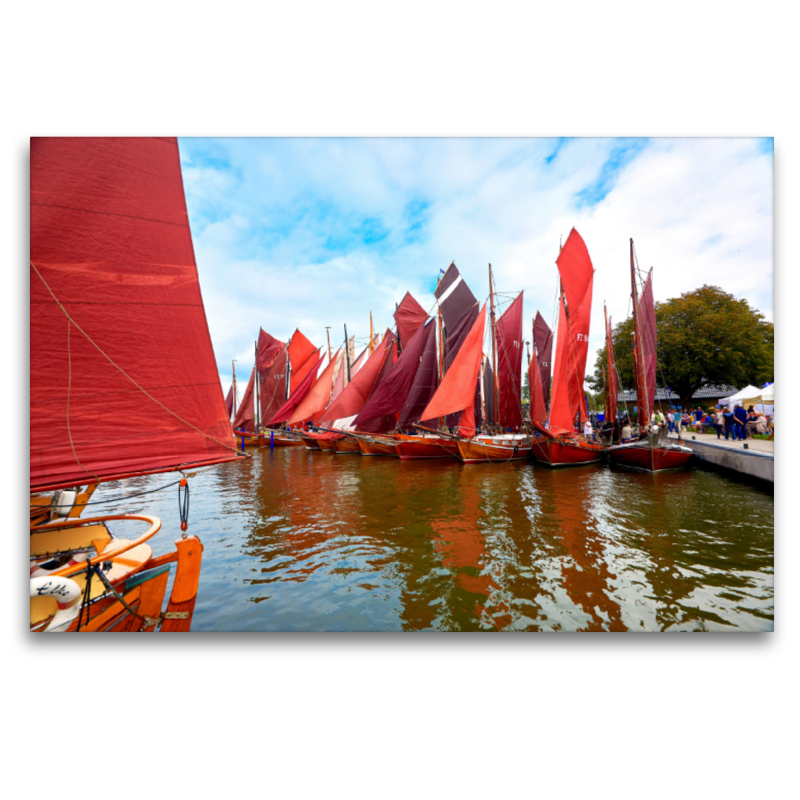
[67, 594]
[62, 503]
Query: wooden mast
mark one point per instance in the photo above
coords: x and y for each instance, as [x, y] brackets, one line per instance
[347, 354]
[328, 333]
[371, 345]
[258, 381]
[235, 404]
[494, 351]
[441, 340]
[606, 387]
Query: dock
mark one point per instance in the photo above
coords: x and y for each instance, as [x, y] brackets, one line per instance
[754, 458]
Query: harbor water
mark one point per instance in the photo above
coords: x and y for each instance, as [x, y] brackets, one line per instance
[309, 541]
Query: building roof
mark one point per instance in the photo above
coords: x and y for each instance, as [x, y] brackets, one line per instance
[706, 393]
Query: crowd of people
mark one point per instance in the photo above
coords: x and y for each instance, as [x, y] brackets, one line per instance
[736, 424]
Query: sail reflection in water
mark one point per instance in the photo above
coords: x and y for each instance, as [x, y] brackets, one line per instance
[298, 540]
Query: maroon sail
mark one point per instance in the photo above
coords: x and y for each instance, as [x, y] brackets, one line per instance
[273, 384]
[246, 415]
[390, 397]
[612, 390]
[459, 310]
[543, 348]
[410, 316]
[229, 402]
[384, 423]
[425, 383]
[123, 379]
[508, 333]
[488, 392]
[647, 349]
[268, 348]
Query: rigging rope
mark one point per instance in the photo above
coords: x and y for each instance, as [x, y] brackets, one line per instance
[114, 364]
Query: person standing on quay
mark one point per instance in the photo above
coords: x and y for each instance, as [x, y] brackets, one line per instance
[677, 423]
[719, 421]
[741, 420]
[730, 424]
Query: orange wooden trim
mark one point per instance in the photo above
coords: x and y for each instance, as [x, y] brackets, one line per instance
[151, 600]
[187, 575]
[114, 610]
[159, 561]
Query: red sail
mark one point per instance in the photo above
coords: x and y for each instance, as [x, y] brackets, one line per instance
[299, 375]
[425, 382]
[352, 399]
[300, 351]
[538, 408]
[647, 350]
[273, 384]
[390, 397]
[457, 390]
[543, 347]
[229, 402]
[130, 384]
[612, 390]
[508, 332]
[386, 422]
[410, 317]
[245, 414]
[572, 345]
[286, 411]
[319, 395]
[268, 348]
[459, 310]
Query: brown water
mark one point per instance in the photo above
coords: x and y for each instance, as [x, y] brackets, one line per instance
[307, 541]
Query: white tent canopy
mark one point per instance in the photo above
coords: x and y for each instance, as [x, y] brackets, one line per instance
[762, 399]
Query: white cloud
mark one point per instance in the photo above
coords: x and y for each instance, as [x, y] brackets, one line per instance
[275, 226]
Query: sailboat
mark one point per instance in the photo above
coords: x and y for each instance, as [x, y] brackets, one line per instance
[505, 390]
[653, 452]
[123, 380]
[555, 442]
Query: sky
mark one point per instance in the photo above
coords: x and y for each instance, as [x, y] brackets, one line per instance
[309, 233]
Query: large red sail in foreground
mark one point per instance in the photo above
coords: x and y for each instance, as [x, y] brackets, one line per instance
[245, 414]
[508, 333]
[572, 345]
[409, 316]
[456, 393]
[127, 382]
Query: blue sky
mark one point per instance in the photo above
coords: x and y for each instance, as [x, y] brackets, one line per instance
[311, 233]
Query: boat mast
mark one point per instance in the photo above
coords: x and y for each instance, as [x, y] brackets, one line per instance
[347, 354]
[258, 381]
[441, 339]
[235, 404]
[606, 387]
[328, 332]
[371, 345]
[494, 350]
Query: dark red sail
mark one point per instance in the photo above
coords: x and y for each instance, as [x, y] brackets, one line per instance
[273, 384]
[459, 310]
[123, 378]
[390, 397]
[268, 348]
[286, 411]
[425, 383]
[647, 349]
[543, 348]
[508, 332]
[410, 316]
[229, 402]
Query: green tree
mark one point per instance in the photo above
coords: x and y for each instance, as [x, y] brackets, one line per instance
[526, 388]
[706, 337]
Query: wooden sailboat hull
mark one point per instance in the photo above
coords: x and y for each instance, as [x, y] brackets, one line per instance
[412, 447]
[378, 446]
[644, 458]
[348, 444]
[565, 452]
[281, 441]
[493, 449]
[311, 444]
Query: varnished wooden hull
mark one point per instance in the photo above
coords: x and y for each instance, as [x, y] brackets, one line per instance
[649, 459]
[412, 447]
[281, 441]
[326, 445]
[346, 445]
[379, 446]
[565, 452]
[311, 444]
[493, 450]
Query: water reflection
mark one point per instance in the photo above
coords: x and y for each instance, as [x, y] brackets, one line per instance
[298, 540]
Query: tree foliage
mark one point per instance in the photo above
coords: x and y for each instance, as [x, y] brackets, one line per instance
[705, 337]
